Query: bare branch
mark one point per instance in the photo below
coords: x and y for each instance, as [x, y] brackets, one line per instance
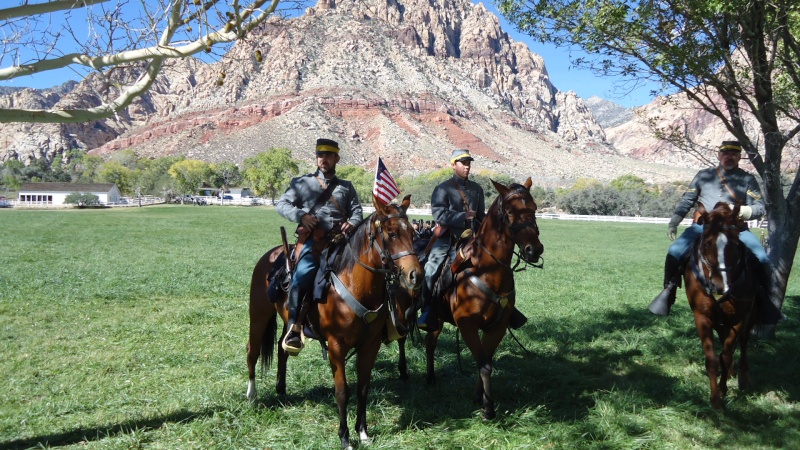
[44, 8]
[236, 24]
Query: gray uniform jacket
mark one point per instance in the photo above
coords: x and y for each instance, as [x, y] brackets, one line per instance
[707, 188]
[304, 191]
[447, 205]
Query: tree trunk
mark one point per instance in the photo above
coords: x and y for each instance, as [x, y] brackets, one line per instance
[784, 234]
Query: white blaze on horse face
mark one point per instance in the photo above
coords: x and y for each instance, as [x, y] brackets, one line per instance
[722, 242]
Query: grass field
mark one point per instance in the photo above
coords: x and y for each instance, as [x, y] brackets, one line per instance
[126, 329]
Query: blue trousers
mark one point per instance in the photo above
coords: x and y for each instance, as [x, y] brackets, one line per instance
[306, 269]
[683, 245]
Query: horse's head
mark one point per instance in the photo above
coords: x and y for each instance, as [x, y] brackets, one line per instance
[719, 248]
[395, 235]
[517, 211]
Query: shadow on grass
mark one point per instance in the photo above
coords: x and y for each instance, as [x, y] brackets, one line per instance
[89, 434]
[568, 366]
[560, 384]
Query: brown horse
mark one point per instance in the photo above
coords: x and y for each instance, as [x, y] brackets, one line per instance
[482, 297]
[376, 279]
[722, 293]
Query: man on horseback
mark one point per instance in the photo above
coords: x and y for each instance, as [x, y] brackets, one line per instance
[324, 206]
[457, 205]
[724, 183]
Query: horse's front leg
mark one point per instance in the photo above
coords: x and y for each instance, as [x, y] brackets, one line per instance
[337, 360]
[283, 357]
[744, 365]
[366, 361]
[706, 333]
[430, 348]
[483, 392]
[728, 340]
[402, 363]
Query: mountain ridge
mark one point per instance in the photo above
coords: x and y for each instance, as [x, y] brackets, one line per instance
[406, 81]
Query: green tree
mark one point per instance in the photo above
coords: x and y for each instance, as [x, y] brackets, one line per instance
[227, 174]
[189, 174]
[735, 59]
[114, 172]
[11, 174]
[362, 180]
[270, 172]
[420, 186]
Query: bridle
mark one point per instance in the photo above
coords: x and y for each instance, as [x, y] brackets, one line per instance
[388, 269]
[704, 266]
[514, 228]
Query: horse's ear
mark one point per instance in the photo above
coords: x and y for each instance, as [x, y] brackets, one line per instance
[379, 208]
[528, 183]
[406, 202]
[500, 188]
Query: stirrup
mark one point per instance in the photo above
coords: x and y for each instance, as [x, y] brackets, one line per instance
[291, 348]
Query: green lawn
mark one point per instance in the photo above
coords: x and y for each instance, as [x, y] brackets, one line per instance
[126, 328]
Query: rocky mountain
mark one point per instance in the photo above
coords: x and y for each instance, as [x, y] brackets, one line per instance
[607, 113]
[406, 80]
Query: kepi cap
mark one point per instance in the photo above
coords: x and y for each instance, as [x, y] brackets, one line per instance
[327, 146]
[730, 145]
[461, 154]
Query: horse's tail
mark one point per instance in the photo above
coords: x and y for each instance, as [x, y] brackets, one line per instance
[262, 312]
[268, 342]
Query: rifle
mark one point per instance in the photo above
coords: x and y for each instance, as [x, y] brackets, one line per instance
[289, 268]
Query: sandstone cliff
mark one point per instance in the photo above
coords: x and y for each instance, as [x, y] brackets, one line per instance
[405, 80]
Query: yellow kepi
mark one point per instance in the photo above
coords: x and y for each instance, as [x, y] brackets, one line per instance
[327, 145]
[730, 145]
[461, 154]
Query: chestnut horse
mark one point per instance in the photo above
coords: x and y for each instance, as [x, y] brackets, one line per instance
[375, 282]
[482, 296]
[722, 294]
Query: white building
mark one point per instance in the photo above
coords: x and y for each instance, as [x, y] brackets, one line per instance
[53, 194]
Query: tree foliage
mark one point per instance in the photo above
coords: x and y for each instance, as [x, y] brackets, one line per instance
[189, 174]
[362, 180]
[270, 172]
[738, 60]
[124, 34]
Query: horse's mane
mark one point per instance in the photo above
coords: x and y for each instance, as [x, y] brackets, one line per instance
[353, 246]
[357, 242]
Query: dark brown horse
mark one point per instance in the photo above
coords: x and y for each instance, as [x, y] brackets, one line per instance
[482, 295]
[377, 277]
[722, 294]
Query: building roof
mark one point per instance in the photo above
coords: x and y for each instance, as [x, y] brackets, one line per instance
[66, 187]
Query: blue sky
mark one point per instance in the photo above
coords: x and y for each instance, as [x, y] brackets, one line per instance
[562, 74]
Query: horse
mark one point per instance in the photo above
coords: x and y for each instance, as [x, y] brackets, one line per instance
[375, 282]
[722, 293]
[482, 296]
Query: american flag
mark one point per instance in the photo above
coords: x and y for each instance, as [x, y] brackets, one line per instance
[385, 187]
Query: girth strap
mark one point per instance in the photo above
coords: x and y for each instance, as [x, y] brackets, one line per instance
[367, 315]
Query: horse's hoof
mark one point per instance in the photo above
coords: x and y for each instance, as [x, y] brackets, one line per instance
[489, 414]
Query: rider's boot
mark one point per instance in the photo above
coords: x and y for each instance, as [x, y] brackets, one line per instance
[663, 302]
[769, 313]
[428, 319]
[293, 341]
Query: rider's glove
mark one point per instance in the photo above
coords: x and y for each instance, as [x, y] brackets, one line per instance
[745, 212]
[672, 228]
